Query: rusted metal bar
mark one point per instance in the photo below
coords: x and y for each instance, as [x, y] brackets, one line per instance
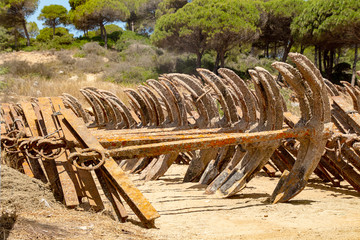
[133, 197]
[37, 165]
[226, 139]
[64, 169]
[352, 117]
[87, 179]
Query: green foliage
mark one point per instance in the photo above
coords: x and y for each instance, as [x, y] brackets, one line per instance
[93, 48]
[53, 15]
[62, 35]
[201, 25]
[3, 70]
[169, 6]
[13, 14]
[138, 74]
[33, 29]
[129, 37]
[98, 13]
[23, 68]
[284, 8]
[101, 11]
[329, 23]
[79, 54]
[113, 31]
[5, 38]
[142, 16]
[61, 39]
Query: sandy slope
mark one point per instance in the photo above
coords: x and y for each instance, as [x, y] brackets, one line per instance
[319, 212]
[31, 57]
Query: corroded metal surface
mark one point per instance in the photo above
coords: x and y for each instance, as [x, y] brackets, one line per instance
[224, 130]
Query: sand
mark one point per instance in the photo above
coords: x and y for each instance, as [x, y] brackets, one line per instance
[319, 212]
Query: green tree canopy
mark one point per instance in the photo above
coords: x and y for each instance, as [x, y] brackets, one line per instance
[15, 12]
[202, 25]
[53, 15]
[277, 18]
[329, 25]
[98, 13]
[5, 38]
[62, 35]
[142, 16]
[169, 6]
[33, 29]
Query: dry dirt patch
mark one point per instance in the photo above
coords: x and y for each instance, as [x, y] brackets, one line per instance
[30, 57]
[318, 212]
[39, 216]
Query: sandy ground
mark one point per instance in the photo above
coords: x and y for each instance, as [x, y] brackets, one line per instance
[31, 57]
[319, 212]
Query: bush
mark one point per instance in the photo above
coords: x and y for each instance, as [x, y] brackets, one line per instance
[127, 38]
[22, 68]
[91, 64]
[126, 72]
[139, 74]
[62, 35]
[5, 38]
[65, 58]
[93, 48]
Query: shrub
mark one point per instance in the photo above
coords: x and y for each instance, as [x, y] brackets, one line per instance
[126, 73]
[93, 48]
[127, 38]
[91, 64]
[79, 54]
[62, 35]
[22, 68]
[5, 38]
[65, 58]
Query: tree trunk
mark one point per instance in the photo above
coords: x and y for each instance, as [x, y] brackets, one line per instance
[198, 59]
[353, 78]
[216, 63]
[287, 49]
[53, 31]
[320, 59]
[105, 37]
[16, 40]
[316, 56]
[222, 59]
[26, 33]
[101, 31]
[337, 59]
[275, 50]
[325, 61]
[302, 49]
[331, 63]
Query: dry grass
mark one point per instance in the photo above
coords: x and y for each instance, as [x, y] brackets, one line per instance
[24, 89]
[25, 216]
[20, 80]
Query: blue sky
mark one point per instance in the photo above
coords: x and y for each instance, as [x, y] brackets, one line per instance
[65, 3]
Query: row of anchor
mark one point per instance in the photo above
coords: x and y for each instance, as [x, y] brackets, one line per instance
[226, 132]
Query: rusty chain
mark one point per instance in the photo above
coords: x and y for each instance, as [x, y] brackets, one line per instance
[88, 159]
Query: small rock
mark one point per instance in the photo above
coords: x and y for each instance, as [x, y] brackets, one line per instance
[74, 78]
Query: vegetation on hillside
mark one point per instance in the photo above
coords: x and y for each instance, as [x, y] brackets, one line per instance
[180, 35]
